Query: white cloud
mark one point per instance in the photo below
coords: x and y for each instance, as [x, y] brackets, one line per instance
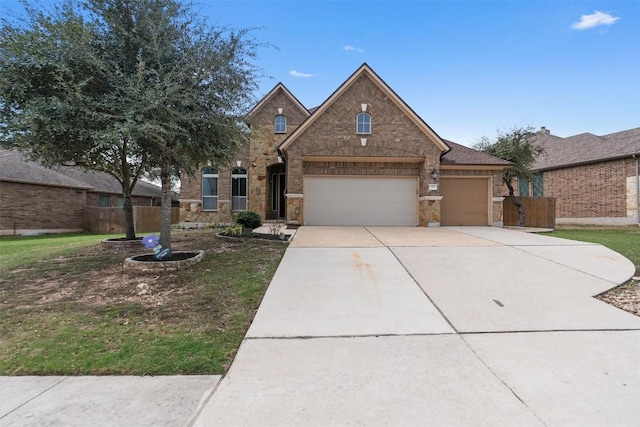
[349, 48]
[596, 19]
[296, 73]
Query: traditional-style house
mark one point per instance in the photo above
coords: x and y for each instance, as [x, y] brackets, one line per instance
[363, 157]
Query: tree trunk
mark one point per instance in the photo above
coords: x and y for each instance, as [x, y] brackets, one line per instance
[129, 226]
[165, 206]
[516, 201]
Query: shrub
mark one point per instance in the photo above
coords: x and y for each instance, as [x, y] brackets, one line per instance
[249, 219]
[233, 230]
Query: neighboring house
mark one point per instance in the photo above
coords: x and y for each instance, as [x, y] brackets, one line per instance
[35, 198]
[594, 179]
[363, 157]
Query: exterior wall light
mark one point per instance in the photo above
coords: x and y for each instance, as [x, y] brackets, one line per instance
[434, 175]
[239, 163]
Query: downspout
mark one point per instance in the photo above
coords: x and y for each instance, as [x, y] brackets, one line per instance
[637, 188]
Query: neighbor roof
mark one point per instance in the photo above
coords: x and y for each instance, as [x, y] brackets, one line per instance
[461, 155]
[585, 148]
[15, 167]
[103, 182]
[365, 69]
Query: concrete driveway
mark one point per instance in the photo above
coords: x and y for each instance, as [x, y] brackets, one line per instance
[460, 326]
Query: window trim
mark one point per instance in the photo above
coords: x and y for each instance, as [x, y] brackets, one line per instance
[239, 173]
[365, 124]
[280, 127]
[210, 173]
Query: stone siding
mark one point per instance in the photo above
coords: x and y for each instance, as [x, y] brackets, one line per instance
[256, 158]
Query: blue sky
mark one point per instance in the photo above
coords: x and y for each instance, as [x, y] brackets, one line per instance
[468, 68]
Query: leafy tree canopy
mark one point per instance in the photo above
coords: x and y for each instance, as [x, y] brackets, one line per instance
[125, 86]
[518, 147]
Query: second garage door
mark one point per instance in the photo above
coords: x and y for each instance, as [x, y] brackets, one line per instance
[360, 201]
[465, 201]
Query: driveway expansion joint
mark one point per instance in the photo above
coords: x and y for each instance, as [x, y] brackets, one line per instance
[416, 283]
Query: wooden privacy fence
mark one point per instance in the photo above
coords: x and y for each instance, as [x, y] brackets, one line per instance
[111, 220]
[539, 212]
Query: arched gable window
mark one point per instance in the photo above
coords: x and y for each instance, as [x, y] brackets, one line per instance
[280, 123]
[209, 189]
[239, 189]
[363, 123]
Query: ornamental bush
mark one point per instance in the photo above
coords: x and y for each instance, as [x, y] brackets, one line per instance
[249, 219]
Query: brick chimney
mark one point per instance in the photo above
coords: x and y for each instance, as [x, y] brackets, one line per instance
[544, 130]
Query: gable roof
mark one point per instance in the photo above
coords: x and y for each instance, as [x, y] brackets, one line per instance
[271, 94]
[365, 69]
[585, 148]
[15, 167]
[461, 155]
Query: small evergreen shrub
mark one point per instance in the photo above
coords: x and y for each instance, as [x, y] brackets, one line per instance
[249, 219]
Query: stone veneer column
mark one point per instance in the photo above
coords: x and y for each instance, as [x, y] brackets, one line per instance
[497, 211]
[429, 211]
[294, 209]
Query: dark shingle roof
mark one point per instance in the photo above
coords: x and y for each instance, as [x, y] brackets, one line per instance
[105, 183]
[14, 166]
[585, 148]
[461, 155]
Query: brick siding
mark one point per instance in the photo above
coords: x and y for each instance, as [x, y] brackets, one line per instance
[393, 134]
[362, 168]
[94, 197]
[596, 190]
[37, 207]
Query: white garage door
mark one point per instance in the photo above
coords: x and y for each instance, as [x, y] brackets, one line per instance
[360, 201]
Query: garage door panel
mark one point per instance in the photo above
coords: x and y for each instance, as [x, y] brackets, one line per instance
[464, 201]
[360, 201]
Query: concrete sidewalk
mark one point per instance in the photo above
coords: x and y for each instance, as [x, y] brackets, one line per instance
[450, 326]
[103, 401]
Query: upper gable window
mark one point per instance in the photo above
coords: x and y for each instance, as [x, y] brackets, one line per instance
[363, 123]
[280, 123]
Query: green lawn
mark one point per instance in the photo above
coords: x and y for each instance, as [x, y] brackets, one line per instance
[624, 240]
[67, 308]
[16, 251]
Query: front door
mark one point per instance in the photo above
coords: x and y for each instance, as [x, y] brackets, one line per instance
[278, 203]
